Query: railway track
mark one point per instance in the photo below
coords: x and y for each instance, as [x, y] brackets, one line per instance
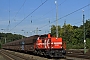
[78, 54]
[11, 55]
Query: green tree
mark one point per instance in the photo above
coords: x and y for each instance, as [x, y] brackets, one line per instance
[67, 32]
[74, 35]
[87, 25]
[9, 37]
[53, 31]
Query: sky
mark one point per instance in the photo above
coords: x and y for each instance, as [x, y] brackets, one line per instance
[25, 16]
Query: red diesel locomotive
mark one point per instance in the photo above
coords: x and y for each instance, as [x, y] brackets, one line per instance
[42, 45]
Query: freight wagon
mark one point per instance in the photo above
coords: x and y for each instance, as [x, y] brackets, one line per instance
[39, 44]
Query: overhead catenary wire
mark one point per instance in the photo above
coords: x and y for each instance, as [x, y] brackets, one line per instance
[19, 10]
[65, 15]
[30, 14]
[52, 9]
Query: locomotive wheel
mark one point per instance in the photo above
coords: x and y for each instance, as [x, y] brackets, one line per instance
[35, 52]
[38, 53]
[50, 54]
